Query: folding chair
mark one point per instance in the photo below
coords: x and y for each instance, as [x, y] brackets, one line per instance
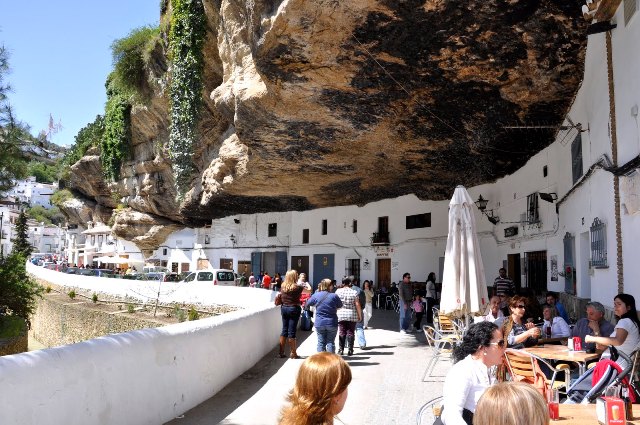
[522, 367]
[441, 346]
[447, 326]
[431, 410]
[391, 299]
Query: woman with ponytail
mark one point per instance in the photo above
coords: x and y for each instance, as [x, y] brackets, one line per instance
[320, 391]
[482, 347]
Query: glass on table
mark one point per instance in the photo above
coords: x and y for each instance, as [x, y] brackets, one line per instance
[553, 401]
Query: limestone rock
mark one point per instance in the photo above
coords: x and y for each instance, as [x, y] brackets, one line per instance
[145, 230]
[315, 104]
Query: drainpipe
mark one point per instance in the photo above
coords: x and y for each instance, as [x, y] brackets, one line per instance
[614, 158]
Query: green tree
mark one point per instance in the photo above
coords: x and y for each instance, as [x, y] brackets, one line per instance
[43, 173]
[18, 292]
[21, 243]
[13, 134]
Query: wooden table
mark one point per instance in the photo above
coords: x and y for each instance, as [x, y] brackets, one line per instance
[585, 414]
[561, 352]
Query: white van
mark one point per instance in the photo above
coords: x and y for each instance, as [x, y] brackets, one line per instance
[221, 277]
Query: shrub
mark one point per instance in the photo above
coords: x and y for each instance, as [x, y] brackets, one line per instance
[94, 298]
[59, 197]
[115, 143]
[179, 314]
[47, 289]
[193, 314]
[72, 294]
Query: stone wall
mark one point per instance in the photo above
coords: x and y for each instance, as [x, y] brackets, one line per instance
[575, 306]
[58, 321]
[16, 344]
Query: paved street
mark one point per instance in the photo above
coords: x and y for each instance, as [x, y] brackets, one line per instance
[387, 385]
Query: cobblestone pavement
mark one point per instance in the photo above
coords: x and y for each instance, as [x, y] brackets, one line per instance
[387, 386]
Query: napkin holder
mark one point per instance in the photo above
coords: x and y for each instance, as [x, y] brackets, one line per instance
[610, 411]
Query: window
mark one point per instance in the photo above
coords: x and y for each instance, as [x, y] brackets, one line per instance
[630, 7]
[100, 238]
[226, 263]
[419, 221]
[532, 208]
[324, 227]
[207, 241]
[598, 244]
[273, 229]
[164, 251]
[576, 158]
[205, 276]
[354, 226]
[353, 268]
[93, 239]
[305, 235]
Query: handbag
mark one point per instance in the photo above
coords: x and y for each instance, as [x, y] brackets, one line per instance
[278, 300]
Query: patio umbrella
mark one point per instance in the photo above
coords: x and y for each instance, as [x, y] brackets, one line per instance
[464, 288]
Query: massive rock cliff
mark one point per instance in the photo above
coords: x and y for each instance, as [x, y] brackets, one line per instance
[314, 104]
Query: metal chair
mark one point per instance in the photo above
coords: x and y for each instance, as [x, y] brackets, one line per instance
[522, 367]
[447, 326]
[431, 410]
[393, 299]
[441, 346]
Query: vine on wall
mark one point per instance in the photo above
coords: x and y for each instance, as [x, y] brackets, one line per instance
[114, 145]
[186, 41]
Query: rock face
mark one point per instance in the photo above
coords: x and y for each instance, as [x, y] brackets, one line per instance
[315, 104]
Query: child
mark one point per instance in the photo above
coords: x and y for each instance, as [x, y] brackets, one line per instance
[418, 308]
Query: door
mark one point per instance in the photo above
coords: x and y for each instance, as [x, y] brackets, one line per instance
[203, 264]
[383, 272]
[514, 270]
[536, 262]
[244, 267]
[323, 268]
[281, 263]
[226, 263]
[256, 264]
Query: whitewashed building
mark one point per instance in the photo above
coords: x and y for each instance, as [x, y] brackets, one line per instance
[30, 192]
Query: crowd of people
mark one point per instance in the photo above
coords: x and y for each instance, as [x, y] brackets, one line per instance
[470, 393]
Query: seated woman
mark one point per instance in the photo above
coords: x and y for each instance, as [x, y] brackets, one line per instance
[482, 347]
[512, 403]
[559, 328]
[516, 333]
[626, 334]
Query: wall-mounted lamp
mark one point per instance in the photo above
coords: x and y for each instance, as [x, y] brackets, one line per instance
[233, 238]
[549, 197]
[236, 220]
[366, 262]
[481, 203]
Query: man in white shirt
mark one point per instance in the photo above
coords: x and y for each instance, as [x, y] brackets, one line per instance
[494, 315]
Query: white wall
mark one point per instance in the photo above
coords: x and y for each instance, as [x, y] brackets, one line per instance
[148, 376]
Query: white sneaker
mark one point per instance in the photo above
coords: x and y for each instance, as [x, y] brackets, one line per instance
[402, 331]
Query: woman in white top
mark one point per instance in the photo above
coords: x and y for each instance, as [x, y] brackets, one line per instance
[559, 328]
[482, 347]
[626, 334]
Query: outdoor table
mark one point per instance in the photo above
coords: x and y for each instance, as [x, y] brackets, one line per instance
[585, 414]
[561, 352]
[562, 340]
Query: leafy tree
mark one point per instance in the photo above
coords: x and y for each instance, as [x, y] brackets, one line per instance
[18, 291]
[13, 134]
[43, 173]
[59, 197]
[21, 243]
[130, 56]
[47, 216]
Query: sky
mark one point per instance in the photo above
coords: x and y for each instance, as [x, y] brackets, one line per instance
[60, 56]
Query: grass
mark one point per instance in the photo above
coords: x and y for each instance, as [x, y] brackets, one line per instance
[11, 326]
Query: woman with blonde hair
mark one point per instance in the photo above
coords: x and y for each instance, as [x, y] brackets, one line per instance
[518, 334]
[320, 391]
[511, 403]
[290, 311]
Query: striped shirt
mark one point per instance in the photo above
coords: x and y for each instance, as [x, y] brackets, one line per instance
[503, 285]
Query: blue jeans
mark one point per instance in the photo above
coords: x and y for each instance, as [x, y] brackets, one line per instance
[405, 315]
[327, 338]
[362, 341]
[290, 317]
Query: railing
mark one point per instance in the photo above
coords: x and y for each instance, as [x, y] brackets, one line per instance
[380, 238]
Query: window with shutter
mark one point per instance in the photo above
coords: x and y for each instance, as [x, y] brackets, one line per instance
[576, 158]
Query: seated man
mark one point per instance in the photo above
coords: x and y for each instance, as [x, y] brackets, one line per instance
[594, 324]
[494, 314]
[552, 299]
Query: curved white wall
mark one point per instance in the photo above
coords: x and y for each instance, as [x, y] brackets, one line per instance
[148, 376]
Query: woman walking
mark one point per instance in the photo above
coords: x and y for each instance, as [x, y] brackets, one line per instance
[348, 316]
[327, 304]
[431, 296]
[290, 311]
[368, 307]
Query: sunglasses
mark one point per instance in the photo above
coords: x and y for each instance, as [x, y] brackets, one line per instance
[499, 343]
[520, 306]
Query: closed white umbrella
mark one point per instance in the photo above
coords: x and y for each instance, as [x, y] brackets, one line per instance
[464, 289]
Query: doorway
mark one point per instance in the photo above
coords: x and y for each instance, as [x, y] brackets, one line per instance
[383, 272]
[536, 263]
[226, 263]
[514, 270]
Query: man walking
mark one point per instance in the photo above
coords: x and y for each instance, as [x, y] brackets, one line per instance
[406, 296]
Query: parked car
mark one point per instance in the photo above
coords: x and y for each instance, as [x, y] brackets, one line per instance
[72, 270]
[162, 276]
[221, 277]
[155, 269]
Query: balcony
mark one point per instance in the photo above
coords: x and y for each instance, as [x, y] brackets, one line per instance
[380, 238]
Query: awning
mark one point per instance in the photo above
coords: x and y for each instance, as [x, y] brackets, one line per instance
[98, 229]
